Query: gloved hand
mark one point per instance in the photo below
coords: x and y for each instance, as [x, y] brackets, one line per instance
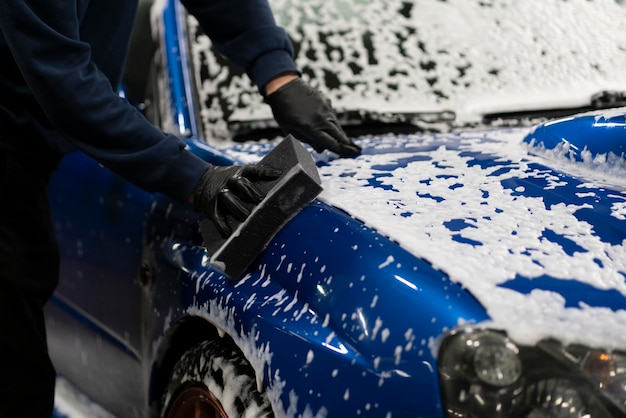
[223, 190]
[307, 114]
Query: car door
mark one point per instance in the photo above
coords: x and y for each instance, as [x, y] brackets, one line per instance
[93, 319]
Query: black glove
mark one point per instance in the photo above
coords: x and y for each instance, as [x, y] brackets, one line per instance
[223, 190]
[307, 114]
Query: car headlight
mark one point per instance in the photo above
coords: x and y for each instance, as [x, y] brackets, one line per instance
[485, 374]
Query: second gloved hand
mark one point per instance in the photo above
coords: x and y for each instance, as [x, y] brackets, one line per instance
[307, 114]
[223, 190]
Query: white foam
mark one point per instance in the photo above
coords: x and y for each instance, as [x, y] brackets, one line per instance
[508, 225]
[468, 56]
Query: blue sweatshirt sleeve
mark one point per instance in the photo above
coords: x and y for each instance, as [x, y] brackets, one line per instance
[246, 32]
[78, 99]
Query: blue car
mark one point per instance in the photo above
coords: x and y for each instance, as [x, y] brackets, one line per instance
[471, 262]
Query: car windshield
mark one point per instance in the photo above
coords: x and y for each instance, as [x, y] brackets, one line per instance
[430, 62]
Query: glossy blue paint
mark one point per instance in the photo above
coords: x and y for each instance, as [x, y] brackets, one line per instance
[352, 300]
[596, 205]
[336, 317]
[355, 306]
[575, 293]
[92, 319]
[177, 62]
[348, 319]
[599, 133]
[99, 225]
[596, 202]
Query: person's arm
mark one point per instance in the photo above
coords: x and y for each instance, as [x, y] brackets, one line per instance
[246, 32]
[78, 99]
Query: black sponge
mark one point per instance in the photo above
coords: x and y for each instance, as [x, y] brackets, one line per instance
[298, 185]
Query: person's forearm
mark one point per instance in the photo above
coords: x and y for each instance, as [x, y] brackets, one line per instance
[79, 102]
[246, 32]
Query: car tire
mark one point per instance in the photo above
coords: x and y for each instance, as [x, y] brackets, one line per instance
[213, 379]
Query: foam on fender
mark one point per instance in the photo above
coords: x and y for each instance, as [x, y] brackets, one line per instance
[299, 184]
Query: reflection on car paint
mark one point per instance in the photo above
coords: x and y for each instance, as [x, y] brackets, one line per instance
[343, 313]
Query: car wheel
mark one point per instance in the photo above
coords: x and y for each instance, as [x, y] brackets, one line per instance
[214, 380]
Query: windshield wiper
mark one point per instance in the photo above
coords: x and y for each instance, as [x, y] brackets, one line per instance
[356, 123]
[599, 101]
[410, 118]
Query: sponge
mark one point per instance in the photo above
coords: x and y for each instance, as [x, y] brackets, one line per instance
[298, 185]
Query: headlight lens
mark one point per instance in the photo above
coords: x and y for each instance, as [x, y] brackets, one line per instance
[497, 363]
[485, 374]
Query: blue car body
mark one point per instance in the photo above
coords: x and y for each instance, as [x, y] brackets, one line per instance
[343, 314]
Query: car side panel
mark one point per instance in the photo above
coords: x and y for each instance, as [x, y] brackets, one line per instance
[94, 318]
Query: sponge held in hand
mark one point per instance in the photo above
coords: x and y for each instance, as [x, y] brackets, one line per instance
[299, 184]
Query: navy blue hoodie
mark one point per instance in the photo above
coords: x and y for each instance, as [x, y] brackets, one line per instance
[60, 65]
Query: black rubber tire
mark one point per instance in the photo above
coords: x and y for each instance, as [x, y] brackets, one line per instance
[208, 369]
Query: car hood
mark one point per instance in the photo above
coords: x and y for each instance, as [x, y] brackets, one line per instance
[541, 249]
